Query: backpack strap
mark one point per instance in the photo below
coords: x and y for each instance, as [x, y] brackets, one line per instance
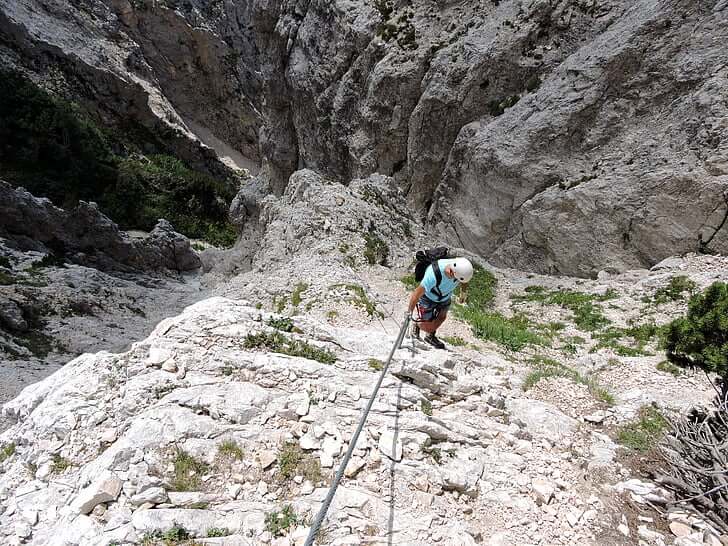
[438, 279]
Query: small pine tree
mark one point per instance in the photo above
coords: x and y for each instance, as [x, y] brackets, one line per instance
[701, 337]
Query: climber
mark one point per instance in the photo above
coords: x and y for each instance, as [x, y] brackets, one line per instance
[432, 298]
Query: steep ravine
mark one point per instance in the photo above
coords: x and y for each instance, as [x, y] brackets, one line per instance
[513, 127]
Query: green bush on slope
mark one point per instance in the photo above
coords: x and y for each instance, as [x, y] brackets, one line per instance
[55, 150]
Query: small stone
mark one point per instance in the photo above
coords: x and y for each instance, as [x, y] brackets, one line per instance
[597, 417]
[308, 442]
[544, 490]
[332, 447]
[573, 515]
[44, 471]
[711, 540]
[389, 447]
[106, 488]
[327, 461]
[622, 528]
[307, 488]
[30, 516]
[153, 495]
[266, 459]
[234, 490]
[157, 356]
[99, 510]
[647, 534]
[169, 366]
[354, 466]
[108, 436]
[23, 529]
[521, 447]
[262, 488]
[302, 408]
[680, 529]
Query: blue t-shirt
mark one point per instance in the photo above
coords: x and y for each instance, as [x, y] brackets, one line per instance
[447, 285]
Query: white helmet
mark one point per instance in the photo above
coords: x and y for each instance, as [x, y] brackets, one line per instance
[462, 268]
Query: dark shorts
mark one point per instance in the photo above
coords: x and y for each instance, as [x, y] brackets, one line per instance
[428, 310]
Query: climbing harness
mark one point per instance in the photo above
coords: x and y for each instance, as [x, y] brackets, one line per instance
[315, 526]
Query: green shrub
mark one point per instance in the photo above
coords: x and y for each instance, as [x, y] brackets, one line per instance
[376, 251]
[278, 343]
[674, 289]
[278, 523]
[533, 83]
[435, 452]
[700, 338]
[284, 324]
[426, 407]
[218, 532]
[289, 458]
[6, 278]
[56, 150]
[646, 431]
[175, 535]
[293, 461]
[513, 333]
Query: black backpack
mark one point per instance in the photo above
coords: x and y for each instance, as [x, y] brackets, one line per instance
[426, 258]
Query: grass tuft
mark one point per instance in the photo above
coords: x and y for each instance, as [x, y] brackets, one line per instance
[230, 449]
[376, 364]
[300, 288]
[455, 341]
[376, 251]
[545, 367]
[360, 299]
[187, 472]
[278, 343]
[674, 290]
[513, 333]
[646, 431]
[293, 461]
[426, 407]
[279, 522]
[7, 451]
[59, 464]
[409, 281]
[586, 315]
[284, 324]
[668, 367]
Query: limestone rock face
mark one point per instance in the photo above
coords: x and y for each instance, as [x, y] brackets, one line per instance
[84, 235]
[565, 136]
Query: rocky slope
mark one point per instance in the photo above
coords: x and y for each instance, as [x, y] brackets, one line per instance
[72, 282]
[229, 419]
[514, 127]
